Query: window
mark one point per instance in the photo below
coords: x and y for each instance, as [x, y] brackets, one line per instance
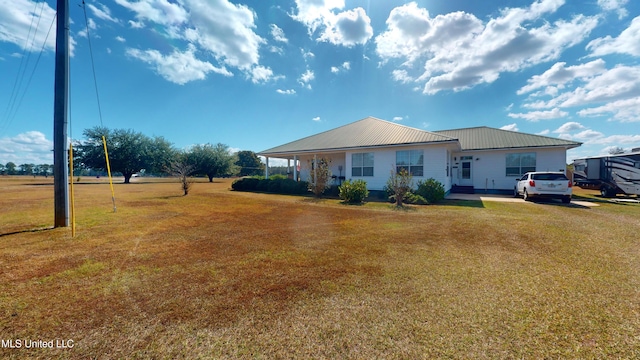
[362, 164]
[411, 160]
[549, 177]
[521, 163]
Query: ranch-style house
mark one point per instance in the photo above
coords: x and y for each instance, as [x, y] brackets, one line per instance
[477, 159]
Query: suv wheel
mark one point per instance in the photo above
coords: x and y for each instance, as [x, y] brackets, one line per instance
[566, 199]
[526, 196]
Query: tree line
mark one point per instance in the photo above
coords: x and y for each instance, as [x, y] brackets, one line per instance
[132, 153]
[11, 168]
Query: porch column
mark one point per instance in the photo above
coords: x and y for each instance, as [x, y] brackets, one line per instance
[295, 167]
[266, 168]
[315, 170]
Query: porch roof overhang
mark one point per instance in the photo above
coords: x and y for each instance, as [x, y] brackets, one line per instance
[290, 154]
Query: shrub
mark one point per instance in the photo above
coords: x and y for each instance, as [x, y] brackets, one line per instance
[322, 170]
[278, 186]
[278, 177]
[431, 190]
[399, 185]
[411, 198]
[353, 192]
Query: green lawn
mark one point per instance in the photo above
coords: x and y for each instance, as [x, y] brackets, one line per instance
[223, 274]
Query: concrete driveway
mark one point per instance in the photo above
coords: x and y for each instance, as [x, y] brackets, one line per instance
[504, 198]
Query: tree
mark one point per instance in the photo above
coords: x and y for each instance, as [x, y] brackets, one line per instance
[249, 163]
[44, 169]
[183, 171]
[160, 155]
[3, 169]
[129, 151]
[319, 176]
[616, 150]
[10, 168]
[210, 160]
[26, 169]
[399, 185]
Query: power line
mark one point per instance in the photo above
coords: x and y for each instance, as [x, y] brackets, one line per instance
[11, 102]
[93, 66]
[14, 104]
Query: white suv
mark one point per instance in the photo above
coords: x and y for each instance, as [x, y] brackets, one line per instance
[544, 185]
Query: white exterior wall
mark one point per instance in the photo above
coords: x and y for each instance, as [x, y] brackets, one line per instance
[436, 160]
[489, 167]
[384, 162]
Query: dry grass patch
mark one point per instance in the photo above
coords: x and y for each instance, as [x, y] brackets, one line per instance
[239, 275]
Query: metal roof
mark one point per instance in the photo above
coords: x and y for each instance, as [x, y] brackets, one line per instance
[368, 132]
[373, 132]
[486, 138]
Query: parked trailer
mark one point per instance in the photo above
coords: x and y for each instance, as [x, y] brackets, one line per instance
[611, 174]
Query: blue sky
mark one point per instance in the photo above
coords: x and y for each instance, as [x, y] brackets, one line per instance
[256, 74]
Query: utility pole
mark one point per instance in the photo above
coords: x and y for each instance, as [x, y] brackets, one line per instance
[61, 89]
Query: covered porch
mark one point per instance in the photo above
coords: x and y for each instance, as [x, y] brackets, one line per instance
[299, 166]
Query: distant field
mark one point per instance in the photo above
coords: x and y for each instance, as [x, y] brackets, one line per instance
[223, 274]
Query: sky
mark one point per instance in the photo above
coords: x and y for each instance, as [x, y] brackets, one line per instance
[256, 74]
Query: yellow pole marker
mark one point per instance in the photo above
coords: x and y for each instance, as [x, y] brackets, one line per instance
[106, 154]
[73, 208]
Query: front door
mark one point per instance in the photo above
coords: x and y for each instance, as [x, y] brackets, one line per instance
[465, 171]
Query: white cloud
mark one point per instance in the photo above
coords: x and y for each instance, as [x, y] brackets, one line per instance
[569, 127]
[344, 67]
[346, 28]
[120, 39]
[544, 132]
[262, 74]
[456, 51]
[401, 76]
[317, 118]
[307, 54]
[588, 135]
[286, 92]
[177, 67]
[225, 30]
[102, 12]
[621, 82]
[397, 118]
[540, 115]
[559, 75]
[91, 25]
[617, 140]
[627, 110]
[31, 147]
[161, 12]
[136, 24]
[628, 42]
[614, 5]
[510, 127]
[219, 28]
[613, 92]
[16, 19]
[278, 34]
[306, 78]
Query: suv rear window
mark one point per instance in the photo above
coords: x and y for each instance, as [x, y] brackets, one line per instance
[551, 177]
